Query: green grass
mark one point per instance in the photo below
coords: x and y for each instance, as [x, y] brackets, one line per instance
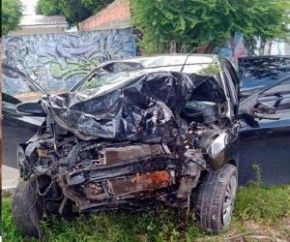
[255, 204]
[263, 204]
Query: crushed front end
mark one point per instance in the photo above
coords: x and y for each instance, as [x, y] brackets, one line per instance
[148, 138]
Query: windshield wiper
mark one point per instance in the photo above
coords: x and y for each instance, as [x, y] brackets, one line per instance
[84, 79]
[96, 70]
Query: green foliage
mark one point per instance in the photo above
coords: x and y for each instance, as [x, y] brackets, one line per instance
[73, 10]
[190, 24]
[11, 15]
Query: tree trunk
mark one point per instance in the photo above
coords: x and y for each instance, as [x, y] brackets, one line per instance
[209, 48]
[262, 47]
[173, 47]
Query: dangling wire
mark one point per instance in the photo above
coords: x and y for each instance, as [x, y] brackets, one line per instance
[54, 135]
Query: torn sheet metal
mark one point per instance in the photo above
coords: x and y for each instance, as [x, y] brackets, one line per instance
[143, 108]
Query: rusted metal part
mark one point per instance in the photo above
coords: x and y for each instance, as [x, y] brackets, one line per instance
[132, 152]
[95, 191]
[141, 182]
[154, 179]
[42, 152]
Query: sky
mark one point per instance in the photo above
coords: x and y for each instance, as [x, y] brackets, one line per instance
[29, 7]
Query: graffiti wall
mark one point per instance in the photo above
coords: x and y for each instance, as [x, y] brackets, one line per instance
[236, 47]
[58, 61]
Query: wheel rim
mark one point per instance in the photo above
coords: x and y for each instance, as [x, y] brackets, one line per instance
[229, 200]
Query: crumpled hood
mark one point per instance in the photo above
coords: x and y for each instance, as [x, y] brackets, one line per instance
[140, 109]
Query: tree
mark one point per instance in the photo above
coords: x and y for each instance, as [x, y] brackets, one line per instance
[74, 11]
[11, 15]
[188, 25]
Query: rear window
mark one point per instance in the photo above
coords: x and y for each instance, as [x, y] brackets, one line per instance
[263, 70]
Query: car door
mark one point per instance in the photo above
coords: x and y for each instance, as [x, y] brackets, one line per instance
[15, 129]
[268, 146]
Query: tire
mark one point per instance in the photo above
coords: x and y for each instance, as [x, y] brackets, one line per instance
[27, 208]
[215, 199]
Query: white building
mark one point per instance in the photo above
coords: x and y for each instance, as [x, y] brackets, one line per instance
[38, 24]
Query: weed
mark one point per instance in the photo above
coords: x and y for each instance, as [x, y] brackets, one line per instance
[258, 202]
[257, 169]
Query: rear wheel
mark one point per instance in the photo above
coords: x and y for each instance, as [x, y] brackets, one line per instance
[27, 208]
[216, 198]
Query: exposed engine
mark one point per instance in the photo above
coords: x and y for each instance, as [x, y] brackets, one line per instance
[95, 174]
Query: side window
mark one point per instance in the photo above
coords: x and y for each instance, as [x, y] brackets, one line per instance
[278, 96]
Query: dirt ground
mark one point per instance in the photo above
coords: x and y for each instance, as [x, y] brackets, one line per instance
[250, 231]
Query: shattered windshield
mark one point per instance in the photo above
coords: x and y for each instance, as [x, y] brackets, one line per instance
[119, 96]
[111, 78]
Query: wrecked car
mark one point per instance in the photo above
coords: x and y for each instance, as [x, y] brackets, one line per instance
[160, 128]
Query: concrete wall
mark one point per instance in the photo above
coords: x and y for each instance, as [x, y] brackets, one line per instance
[42, 29]
[58, 61]
[116, 15]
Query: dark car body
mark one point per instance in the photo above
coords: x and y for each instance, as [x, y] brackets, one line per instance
[256, 72]
[16, 128]
[268, 145]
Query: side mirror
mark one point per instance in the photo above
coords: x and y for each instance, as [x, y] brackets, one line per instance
[259, 111]
[264, 111]
[30, 109]
[264, 108]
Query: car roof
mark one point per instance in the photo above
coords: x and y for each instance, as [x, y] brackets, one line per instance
[176, 57]
[194, 55]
